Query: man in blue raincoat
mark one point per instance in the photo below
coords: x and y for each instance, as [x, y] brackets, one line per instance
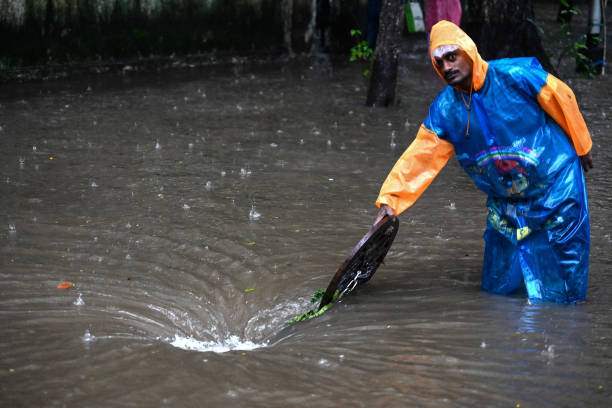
[517, 131]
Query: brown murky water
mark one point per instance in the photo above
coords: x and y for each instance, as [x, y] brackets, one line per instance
[196, 212]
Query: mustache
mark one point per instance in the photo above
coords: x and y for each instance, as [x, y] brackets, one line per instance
[449, 74]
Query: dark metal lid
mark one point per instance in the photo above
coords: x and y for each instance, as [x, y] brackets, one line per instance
[363, 261]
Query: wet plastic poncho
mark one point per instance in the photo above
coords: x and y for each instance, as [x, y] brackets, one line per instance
[525, 135]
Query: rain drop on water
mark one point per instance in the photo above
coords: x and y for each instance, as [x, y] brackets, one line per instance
[254, 215]
[87, 337]
[79, 301]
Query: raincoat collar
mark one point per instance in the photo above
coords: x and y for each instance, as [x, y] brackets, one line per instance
[447, 33]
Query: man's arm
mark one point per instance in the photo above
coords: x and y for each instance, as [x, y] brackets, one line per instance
[413, 172]
[558, 100]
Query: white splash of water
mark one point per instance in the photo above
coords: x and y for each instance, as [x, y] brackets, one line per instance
[229, 344]
[88, 337]
[79, 300]
[549, 351]
[254, 215]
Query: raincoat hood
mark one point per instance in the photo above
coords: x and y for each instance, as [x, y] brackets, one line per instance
[447, 33]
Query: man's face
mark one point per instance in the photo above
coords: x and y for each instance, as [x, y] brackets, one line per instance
[456, 68]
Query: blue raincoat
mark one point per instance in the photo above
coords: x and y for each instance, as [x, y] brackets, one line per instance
[518, 139]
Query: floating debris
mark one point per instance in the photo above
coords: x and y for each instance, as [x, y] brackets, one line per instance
[318, 295]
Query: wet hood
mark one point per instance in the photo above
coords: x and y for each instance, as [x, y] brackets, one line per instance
[447, 33]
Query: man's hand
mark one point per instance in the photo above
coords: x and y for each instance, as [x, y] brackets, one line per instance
[384, 210]
[587, 162]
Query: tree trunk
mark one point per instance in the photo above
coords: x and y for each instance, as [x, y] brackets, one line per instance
[321, 38]
[384, 71]
[322, 26]
[505, 28]
[287, 12]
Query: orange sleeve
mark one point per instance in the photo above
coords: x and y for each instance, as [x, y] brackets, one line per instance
[558, 100]
[415, 170]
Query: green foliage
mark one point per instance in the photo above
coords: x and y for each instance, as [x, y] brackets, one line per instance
[312, 313]
[566, 42]
[361, 51]
[317, 296]
[577, 50]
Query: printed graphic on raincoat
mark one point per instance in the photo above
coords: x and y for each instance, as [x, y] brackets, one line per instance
[522, 149]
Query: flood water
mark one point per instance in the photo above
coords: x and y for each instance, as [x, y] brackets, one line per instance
[197, 211]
